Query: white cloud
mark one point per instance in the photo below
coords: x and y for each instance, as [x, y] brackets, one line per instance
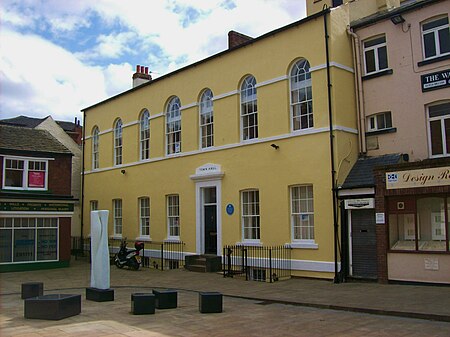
[57, 83]
[40, 77]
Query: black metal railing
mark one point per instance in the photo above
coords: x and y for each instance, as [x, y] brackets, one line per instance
[163, 255]
[257, 263]
[157, 255]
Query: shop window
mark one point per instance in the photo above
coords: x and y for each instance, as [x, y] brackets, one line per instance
[25, 173]
[431, 224]
[28, 239]
[424, 231]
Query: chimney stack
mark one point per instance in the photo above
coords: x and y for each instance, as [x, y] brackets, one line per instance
[235, 39]
[141, 76]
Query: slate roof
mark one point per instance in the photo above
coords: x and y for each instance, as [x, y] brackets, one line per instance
[32, 122]
[28, 139]
[28, 122]
[361, 174]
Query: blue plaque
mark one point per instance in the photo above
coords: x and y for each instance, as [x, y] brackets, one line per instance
[230, 209]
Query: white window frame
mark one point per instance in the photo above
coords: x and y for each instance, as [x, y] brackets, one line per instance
[249, 109]
[173, 126]
[442, 118]
[300, 83]
[93, 205]
[117, 217]
[144, 136]
[376, 49]
[144, 217]
[435, 31]
[298, 211]
[173, 216]
[251, 211]
[95, 152]
[26, 170]
[206, 119]
[118, 142]
[375, 123]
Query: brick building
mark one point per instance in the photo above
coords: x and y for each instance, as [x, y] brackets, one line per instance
[36, 203]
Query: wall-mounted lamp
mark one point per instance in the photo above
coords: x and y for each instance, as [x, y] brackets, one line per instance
[396, 19]
[122, 171]
[275, 146]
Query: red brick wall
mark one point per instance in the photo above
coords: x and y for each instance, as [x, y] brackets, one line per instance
[60, 175]
[64, 239]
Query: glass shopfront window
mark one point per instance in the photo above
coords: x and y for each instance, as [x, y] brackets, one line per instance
[28, 239]
[431, 221]
[423, 229]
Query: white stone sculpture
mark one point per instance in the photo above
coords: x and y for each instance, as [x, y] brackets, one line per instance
[100, 271]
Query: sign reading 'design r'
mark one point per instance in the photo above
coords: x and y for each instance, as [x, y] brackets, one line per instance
[434, 81]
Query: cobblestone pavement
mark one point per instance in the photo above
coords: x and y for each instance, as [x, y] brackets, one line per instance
[295, 307]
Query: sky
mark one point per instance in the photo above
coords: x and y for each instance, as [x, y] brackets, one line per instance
[60, 56]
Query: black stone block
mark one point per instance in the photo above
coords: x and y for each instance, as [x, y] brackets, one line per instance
[99, 295]
[52, 307]
[32, 289]
[210, 302]
[166, 299]
[142, 303]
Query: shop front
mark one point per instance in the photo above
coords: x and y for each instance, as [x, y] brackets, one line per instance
[34, 235]
[413, 221]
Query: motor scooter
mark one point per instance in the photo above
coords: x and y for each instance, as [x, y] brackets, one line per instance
[129, 257]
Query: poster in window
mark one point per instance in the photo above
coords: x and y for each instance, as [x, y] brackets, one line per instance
[36, 179]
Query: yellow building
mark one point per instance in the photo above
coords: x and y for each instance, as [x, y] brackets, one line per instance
[238, 148]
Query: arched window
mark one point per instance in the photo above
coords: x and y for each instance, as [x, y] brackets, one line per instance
[144, 134]
[206, 119]
[249, 109]
[173, 126]
[95, 153]
[118, 142]
[301, 96]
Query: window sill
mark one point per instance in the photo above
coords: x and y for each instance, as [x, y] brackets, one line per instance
[249, 243]
[380, 132]
[174, 240]
[433, 60]
[116, 237]
[304, 245]
[378, 74]
[143, 238]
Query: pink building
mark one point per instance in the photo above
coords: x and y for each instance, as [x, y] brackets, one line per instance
[397, 197]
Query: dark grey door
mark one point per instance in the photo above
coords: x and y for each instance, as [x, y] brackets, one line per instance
[210, 229]
[364, 244]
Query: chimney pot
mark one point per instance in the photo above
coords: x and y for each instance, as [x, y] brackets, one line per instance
[146, 70]
[138, 69]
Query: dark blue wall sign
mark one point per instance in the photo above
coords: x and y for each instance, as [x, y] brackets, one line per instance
[435, 81]
[230, 209]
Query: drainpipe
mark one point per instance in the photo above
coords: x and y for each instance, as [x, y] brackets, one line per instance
[82, 181]
[358, 91]
[333, 171]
